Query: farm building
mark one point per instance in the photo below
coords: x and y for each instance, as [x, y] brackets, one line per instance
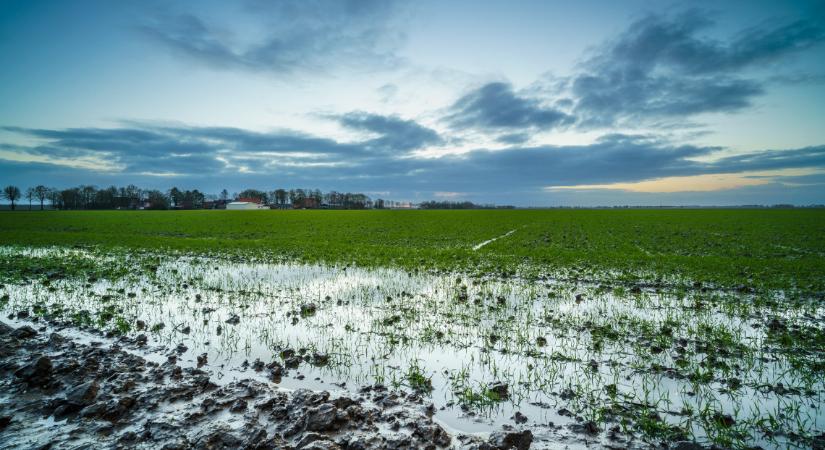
[215, 204]
[242, 205]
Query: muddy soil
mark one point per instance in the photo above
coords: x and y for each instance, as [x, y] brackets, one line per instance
[59, 393]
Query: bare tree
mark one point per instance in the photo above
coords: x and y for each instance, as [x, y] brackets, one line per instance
[55, 197]
[280, 196]
[11, 193]
[157, 200]
[133, 195]
[41, 193]
[30, 196]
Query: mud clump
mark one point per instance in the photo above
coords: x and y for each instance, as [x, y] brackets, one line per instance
[84, 394]
[67, 394]
[234, 319]
[308, 309]
[37, 373]
[24, 332]
[512, 440]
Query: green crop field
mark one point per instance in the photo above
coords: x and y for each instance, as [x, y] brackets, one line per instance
[770, 248]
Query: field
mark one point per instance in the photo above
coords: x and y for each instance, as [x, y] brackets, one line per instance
[768, 248]
[627, 328]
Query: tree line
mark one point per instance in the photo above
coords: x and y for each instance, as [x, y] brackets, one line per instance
[459, 205]
[332, 199]
[133, 197]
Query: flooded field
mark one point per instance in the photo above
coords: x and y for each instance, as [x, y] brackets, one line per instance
[577, 362]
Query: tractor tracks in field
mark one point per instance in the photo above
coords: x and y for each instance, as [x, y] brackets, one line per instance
[489, 241]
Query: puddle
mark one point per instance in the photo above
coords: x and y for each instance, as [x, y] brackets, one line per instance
[567, 353]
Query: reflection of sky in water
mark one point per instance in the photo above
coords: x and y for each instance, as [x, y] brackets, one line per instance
[375, 324]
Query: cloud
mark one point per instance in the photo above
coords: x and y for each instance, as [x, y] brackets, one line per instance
[764, 194]
[513, 138]
[189, 151]
[286, 36]
[658, 72]
[774, 159]
[799, 79]
[692, 183]
[387, 92]
[395, 134]
[182, 150]
[613, 157]
[200, 155]
[673, 43]
[495, 107]
[662, 67]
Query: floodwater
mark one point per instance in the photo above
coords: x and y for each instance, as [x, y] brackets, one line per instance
[544, 339]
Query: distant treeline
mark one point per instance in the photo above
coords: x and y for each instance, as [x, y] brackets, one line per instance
[459, 205]
[310, 198]
[133, 197]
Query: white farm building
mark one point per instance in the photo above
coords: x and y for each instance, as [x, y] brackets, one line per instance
[243, 205]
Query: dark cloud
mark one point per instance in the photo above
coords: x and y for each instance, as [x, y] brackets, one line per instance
[800, 79]
[662, 67]
[604, 100]
[314, 35]
[119, 141]
[206, 157]
[614, 158]
[674, 43]
[495, 107]
[181, 150]
[395, 134]
[194, 150]
[806, 157]
[658, 72]
[513, 138]
[283, 141]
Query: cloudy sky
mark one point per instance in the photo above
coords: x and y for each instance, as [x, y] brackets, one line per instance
[518, 102]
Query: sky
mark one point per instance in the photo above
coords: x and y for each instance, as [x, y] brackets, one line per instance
[529, 103]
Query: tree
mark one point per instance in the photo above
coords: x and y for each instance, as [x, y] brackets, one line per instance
[157, 200]
[87, 196]
[11, 193]
[56, 198]
[41, 193]
[131, 196]
[224, 195]
[176, 196]
[280, 196]
[71, 198]
[254, 194]
[30, 196]
[198, 198]
[106, 198]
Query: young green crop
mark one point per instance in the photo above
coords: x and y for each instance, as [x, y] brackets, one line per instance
[735, 248]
